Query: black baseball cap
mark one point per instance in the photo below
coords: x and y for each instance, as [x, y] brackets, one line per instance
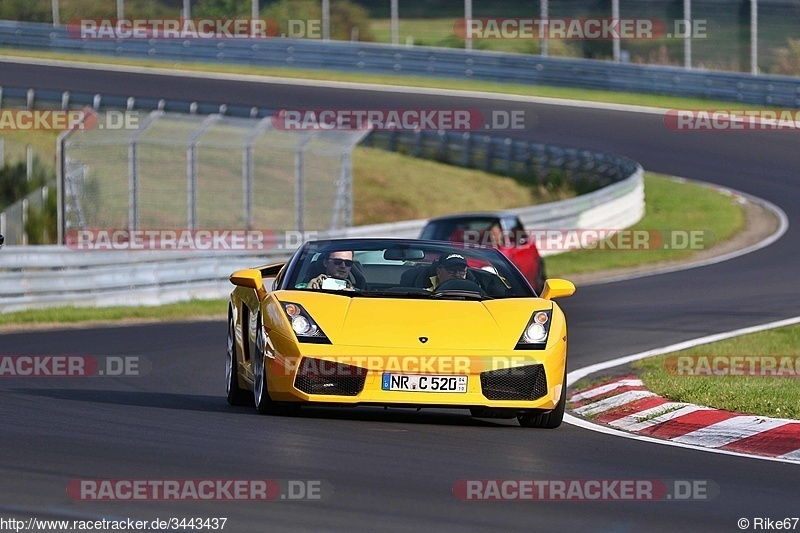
[453, 261]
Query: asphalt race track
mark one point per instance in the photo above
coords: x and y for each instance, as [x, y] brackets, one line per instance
[395, 470]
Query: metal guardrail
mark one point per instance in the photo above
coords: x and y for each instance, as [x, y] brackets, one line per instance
[374, 58]
[46, 276]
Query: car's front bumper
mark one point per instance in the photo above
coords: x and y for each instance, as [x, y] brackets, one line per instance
[514, 379]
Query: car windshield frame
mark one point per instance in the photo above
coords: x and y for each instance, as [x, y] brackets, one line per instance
[490, 274]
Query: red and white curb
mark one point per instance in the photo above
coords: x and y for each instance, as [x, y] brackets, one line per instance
[626, 404]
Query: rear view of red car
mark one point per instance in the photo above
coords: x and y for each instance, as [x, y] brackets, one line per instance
[504, 232]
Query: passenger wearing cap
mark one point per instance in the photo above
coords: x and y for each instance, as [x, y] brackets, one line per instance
[451, 266]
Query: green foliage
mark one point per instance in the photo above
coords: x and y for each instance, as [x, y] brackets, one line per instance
[27, 10]
[221, 9]
[41, 10]
[788, 59]
[14, 184]
[42, 226]
[345, 16]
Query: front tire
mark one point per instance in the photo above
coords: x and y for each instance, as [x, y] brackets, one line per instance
[265, 405]
[551, 419]
[235, 394]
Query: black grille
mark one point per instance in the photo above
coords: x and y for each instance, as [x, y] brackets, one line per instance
[317, 376]
[518, 383]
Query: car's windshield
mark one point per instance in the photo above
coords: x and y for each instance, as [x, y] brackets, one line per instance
[406, 269]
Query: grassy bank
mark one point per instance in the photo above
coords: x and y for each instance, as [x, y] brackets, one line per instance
[758, 395]
[671, 210]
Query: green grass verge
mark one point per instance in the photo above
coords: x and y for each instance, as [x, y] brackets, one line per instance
[390, 187]
[670, 206]
[668, 102]
[764, 396]
[69, 315]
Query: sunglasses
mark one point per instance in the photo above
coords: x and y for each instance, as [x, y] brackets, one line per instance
[456, 270]
[339, 262]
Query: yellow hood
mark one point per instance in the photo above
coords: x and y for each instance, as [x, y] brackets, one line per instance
[399, 323]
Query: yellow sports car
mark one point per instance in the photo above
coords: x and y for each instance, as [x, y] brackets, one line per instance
[404, 323]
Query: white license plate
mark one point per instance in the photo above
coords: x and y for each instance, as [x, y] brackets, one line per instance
[424, 383]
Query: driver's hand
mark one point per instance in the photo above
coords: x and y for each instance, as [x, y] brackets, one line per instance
[316, 283]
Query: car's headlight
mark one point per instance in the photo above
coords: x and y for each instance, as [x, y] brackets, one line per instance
[303, 325]
[534, 337]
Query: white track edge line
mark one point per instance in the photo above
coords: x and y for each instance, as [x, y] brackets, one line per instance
[575, 375]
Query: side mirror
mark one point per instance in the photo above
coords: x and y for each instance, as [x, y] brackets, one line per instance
[2, 242]
[251, 279]
[557, 288]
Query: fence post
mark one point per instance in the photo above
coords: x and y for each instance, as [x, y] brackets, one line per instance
[24, 228]
[191, 187]
[543, 15]
[466, 149]
[509, 154]
[61, 176]
[417, 143]
[133, 167]
[299, 183]
[347, 172]
[45, 191]
[487, 156]
[687, 40]
[298, 189]
[615, 17]
[191, 169]
[247, 184]
[133, 185]
[343, 204]
[247, 169]
[29, 161]
[55, 13]
[754, 37]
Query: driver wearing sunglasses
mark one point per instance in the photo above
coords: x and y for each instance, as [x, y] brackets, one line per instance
[337, 265]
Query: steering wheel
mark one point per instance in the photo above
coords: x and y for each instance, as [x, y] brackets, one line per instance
[459, 285]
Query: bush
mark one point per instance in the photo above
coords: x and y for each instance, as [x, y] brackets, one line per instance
[42, 227]
[41, 10]
[26, 10]
[14, 183]
[222, 9]
[345, 16]
[788, 58]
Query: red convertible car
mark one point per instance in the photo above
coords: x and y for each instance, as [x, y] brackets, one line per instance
[503, 231]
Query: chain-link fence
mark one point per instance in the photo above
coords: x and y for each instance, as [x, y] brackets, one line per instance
[195, 172]
[722, 30]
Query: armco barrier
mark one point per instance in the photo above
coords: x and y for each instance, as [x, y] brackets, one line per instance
[51, 276]
[46, 276]
[371, 58]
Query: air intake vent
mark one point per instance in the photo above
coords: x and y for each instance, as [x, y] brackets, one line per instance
[518, 383]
